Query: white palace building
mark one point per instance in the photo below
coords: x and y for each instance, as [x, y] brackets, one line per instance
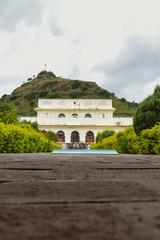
[78, 120]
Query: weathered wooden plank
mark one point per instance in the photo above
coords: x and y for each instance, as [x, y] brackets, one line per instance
[45, 196]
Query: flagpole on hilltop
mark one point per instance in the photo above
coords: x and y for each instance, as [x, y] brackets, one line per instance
[45, 67]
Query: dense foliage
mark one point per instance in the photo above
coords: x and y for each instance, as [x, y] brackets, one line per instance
[128, 141]
[147, 142]
[148, 112]
[106, 143]
[22, 138]
[150, 140]
[7, 113]
[18, 136]
[104, 134]
[50, 135]
[47, 85]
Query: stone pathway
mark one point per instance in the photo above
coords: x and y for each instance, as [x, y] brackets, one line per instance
[99, 197]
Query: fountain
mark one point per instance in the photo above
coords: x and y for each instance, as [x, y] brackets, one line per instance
[75, 145]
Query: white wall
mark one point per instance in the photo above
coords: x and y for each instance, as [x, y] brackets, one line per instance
[68, 113]
[28, 119]
[85, 121]
[75, 104]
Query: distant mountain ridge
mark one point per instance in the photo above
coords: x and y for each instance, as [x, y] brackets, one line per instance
[47, 85]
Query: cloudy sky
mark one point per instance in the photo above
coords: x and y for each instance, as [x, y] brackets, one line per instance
[113, 42]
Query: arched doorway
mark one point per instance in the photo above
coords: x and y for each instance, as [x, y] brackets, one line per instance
[60, 136]
[89, 137]
[75, 136]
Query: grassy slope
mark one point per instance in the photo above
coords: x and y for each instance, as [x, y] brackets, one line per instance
[47, 85]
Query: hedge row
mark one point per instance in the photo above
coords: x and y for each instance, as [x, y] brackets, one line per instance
[104, 134]
[23, 139]
[148, 142]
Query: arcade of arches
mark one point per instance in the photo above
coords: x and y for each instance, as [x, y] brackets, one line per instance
[75, 137]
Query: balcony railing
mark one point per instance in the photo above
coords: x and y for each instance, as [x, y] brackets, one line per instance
[86, 121]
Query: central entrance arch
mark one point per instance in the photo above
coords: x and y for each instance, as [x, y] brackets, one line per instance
[75, 136]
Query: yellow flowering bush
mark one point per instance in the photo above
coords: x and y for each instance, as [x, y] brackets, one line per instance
[18, 139]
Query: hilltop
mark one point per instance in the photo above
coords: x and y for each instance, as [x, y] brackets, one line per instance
[47, 85]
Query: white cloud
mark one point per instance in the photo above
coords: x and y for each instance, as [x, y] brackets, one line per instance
[133, 71]
[14, 12]
[74, 36]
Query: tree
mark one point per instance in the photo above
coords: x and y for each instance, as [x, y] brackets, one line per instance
[49, 135]
[148, 112]
[7, 113]
[104, 134]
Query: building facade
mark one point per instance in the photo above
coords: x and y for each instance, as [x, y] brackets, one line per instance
[78, 120]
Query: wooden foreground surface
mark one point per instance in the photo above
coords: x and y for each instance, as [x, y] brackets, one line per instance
[46, 196]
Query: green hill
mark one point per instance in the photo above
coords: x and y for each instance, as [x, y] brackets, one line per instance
[47, 85]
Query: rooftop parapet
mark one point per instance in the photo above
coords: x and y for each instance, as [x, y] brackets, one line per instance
[75, 104]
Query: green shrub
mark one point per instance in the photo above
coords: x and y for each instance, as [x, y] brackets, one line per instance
[18, 139]
[106, 143]
[28, 125]
[148, 112]
[49, 135]
[128, 141]
[104, 134]
[56, 146]
[7, 113]
[150, 140]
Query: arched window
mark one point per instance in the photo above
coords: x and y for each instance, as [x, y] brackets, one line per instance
[60, 136]
[88, 115]
[74, 115]
[61, 115]
[75, 136]
[89, 137]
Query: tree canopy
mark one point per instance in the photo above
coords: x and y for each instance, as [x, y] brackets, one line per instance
[7, 113]
[104, 134]
[148, 112]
